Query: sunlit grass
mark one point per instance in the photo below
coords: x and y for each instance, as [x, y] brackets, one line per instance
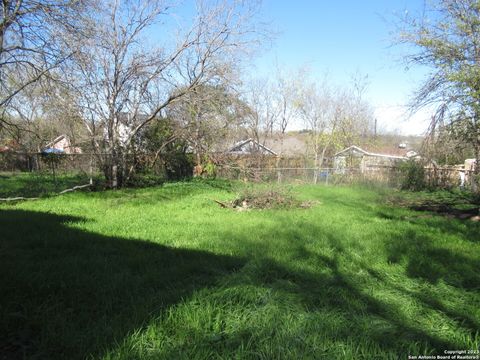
[167, 273]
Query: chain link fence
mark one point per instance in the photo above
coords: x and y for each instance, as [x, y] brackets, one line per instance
[381, 175]
[389, 176]
[35, 174]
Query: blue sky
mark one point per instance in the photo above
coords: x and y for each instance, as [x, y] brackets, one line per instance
[344, 37]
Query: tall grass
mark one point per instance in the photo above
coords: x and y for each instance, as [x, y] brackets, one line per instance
[165, 273]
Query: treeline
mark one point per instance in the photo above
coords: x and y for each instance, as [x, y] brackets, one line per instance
[122, 78]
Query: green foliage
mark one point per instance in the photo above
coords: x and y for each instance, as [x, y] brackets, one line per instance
[140, 180]
[41, 184]
[447, 43]
[210, 170]
[157, 134]
[452, 144]
[165, 273]
[413, 175]
[173, 162]
[178, 165]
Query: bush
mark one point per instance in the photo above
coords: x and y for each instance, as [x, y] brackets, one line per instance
[413, 176]
[210, 170]
[145, 180]
[178, 165]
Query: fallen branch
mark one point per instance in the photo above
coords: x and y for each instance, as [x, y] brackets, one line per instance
[221, 204]
[36, 198]
[74, 188]
[18, 198]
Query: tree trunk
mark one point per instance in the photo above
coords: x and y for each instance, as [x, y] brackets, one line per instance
[315, 168]
[476, 169]
[110, 168]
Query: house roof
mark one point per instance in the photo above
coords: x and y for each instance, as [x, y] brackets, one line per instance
[357, 150]
[291, 145]
[57, 139]
[237, 147]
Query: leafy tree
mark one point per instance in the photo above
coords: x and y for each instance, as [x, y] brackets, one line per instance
[165, 150]
[447, 38]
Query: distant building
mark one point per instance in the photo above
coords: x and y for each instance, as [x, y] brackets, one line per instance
[290, 145]
[62, 144]
[356, 157]
[469, 164]
[250, 147]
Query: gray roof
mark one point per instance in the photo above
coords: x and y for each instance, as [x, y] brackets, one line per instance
[356, 151]
[250, 146]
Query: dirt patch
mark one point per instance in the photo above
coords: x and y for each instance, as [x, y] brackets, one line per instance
[265, 199]
[449, 211]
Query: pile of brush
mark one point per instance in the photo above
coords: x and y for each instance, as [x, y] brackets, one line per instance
[260, 198]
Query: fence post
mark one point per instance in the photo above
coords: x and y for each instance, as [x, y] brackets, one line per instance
[91, 169]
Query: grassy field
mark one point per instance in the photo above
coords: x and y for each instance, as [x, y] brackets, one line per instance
[37, 184]
[165, 273]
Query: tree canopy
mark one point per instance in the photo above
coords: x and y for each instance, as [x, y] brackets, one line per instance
[447, 39]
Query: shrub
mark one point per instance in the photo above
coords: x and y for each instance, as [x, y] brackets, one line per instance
[178, 165]
[140, 180]
[413, 175]
[210, 170]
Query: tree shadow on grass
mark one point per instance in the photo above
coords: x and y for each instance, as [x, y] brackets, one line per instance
[464, 228]
[431, 262]
[333, 289]
[429, 299]
[342, 283]
[369, 319]
[67, 293]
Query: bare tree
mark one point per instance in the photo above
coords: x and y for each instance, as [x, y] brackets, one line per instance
[287, 89]
[316, 109]
[287, 100]
[32, 46]
[124, 82]
[263, 110]
[335, 117]
[206, 118]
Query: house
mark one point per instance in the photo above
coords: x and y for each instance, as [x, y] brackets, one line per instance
[356, 157]
[291, 145]
[250, 147]
[469, 164]
[62, 144]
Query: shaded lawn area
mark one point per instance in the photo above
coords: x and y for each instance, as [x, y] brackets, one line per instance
[40, 184]
[165, 273]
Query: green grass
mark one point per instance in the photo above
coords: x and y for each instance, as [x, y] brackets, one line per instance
[40, 184]
[165, 273]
